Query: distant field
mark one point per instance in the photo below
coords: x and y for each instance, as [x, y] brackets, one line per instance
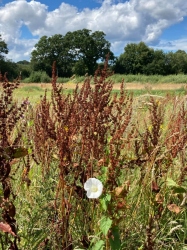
[129, 86]
[35, 90]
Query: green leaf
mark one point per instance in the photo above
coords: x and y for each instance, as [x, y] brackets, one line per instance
[105, 224]
[104, 170]
[175, 187]
[29, 151]
[77, 248]
[171, 183]
[179, 190]
[20, 152]
[105, 201]
[104, 174]
[115, 242]
[99, 245]
[9, 152]
[30, 123]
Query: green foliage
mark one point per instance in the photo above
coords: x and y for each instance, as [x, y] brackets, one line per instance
[105, 225]
[79, 68]
[24, 69]
[115, 242]
[140, 59]
[99, 245]
[141, 78]
[3, 48]
[75, 53]
[87, 49]
[156, 66]
[79, 79]
[134, 58]
[48, 50]
[10, 67]
[5, 64]
[63, 79]
[38, 77]
[176, 62]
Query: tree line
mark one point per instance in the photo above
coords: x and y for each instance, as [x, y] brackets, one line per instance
[80, 52]
[140, 59]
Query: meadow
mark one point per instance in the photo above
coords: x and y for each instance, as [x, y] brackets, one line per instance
[93, 167]
[35, 90]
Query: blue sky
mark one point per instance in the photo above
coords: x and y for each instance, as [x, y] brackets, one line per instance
[161, 24]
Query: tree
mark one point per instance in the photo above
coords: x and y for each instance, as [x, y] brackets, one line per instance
[24, 68]
[178, 62]
[3, 48]
[76, 52]
[135, 59]
[23, 62]
[48, 50]
[7, 66]
[88, 47]
[158, 64]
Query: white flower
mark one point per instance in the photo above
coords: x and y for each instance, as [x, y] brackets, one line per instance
[94, 188]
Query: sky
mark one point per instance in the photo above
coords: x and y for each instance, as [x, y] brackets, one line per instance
[161, 24]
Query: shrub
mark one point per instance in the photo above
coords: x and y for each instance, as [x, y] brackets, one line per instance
[38, 77]
[63, 79]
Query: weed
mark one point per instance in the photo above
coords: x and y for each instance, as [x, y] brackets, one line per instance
[135, 147]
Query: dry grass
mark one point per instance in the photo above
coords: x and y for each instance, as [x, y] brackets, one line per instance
[129, 86]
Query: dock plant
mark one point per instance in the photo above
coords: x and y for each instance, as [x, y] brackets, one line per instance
[93, 169]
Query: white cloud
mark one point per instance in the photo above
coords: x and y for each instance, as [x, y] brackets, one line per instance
[173, 45]
[122, 22]
[21, 49]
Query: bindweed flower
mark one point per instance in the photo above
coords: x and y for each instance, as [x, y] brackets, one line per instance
[94, 188]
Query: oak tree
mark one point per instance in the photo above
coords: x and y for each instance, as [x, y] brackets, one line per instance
[77, 52]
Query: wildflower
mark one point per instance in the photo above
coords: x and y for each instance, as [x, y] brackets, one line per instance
[94, 188]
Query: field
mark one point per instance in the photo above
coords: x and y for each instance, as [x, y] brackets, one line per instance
[100, 167]
[35, 90]
[128, 86]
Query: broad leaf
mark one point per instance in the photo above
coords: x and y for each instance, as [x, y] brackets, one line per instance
[20, 152]
[115, 241]
[105, 224]
[99, 245]
[105, 201]
[171, 183]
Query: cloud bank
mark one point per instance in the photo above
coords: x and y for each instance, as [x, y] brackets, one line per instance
[121, 21]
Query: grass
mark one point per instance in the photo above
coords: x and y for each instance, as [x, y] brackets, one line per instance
[117, 78]
[172, 92]
[35, 92]
[152, 79]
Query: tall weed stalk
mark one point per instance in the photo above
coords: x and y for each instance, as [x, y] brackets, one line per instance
[12, 126]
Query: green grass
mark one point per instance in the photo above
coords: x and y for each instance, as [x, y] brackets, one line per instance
[117, 78]
[158, 92]
[153, 79]
[34, 93]
[139, 92]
